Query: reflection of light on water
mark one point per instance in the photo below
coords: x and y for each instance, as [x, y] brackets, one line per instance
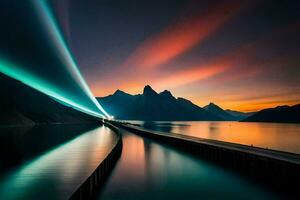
[62, 168]
[102, 144]
[148, 170]
[278, 136]
[134, 148]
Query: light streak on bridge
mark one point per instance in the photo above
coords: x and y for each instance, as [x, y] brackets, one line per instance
[79, 96]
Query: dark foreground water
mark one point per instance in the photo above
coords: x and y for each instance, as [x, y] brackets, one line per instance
[50, 162]
[148, 170]
[278, 136]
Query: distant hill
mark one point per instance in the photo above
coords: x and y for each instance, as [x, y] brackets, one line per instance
[239, 115]
[216, 110]
[284, 114]
[22, 105]
[151, 105]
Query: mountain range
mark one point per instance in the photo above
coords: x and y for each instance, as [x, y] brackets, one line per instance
[163, 106]
[283, 114]
[22, 105]
[153, 106]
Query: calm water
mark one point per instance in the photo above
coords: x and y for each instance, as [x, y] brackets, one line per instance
[284, 137]
[50, 162]
[148, 170]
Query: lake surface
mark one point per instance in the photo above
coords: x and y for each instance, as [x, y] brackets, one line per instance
[148, 170]
[50, 162]
[278, 136]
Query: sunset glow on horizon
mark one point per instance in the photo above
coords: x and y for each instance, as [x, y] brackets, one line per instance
[241, 55]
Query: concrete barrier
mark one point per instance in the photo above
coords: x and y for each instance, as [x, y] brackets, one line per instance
[280, 170]
[91, 186]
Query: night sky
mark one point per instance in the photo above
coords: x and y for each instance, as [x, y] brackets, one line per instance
[241, 55]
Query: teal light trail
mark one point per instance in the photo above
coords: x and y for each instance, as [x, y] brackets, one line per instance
[66, 56]
[39, 84]
[72, 91]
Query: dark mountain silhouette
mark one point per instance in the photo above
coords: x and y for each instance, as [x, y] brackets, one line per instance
[239, 115]
[216, 110]
[284, 114]
[22, 105]
[153, 106]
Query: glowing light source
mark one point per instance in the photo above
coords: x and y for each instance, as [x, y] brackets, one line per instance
[111, 117]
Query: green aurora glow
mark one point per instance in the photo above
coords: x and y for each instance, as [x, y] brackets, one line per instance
[80, 98]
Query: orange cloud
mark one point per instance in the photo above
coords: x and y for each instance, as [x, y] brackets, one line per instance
[242, 62]
[191, 75]
[135, 81]
[182, 36]
[173, 41]
[234, 68]
[211, 68]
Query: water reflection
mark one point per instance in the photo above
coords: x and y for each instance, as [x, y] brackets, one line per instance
[18, 144]
[163, 126]
[147, 170]
[284, 137]
[58, 172]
